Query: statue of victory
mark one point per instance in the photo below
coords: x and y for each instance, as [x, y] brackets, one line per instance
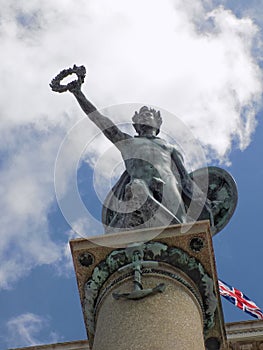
[155, 188]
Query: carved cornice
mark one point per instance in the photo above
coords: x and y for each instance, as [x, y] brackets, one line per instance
[244, 330]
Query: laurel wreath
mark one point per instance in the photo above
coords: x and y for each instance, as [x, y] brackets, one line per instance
[80, 71]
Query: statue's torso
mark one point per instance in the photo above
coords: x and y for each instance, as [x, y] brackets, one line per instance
[146, 158]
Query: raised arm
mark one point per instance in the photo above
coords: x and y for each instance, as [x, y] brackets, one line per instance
[110, 130]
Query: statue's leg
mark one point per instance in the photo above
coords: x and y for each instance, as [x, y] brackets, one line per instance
[144, 197]
[140, 209]
[172, 198]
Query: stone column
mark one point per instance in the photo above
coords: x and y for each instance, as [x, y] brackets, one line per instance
[160, 294]
[171, 320]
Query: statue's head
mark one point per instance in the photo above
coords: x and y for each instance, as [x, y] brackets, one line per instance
[147, 117]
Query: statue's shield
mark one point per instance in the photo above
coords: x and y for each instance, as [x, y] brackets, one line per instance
[221, 190]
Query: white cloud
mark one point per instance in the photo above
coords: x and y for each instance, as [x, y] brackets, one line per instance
[252, 9]
[25, 330]
[26, 193]
[135, 51]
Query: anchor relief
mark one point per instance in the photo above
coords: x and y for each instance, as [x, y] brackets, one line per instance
[135, 253]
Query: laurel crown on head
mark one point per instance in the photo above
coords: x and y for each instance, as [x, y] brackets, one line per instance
[156, 114]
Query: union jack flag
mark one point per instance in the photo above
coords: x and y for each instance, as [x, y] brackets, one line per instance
[239, 299]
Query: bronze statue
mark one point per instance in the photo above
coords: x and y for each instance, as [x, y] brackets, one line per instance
[156, 188]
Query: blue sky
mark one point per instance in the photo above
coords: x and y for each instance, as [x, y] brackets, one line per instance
[199, 60]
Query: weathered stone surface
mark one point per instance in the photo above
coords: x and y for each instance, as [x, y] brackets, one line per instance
[171, 320]
[179, 264]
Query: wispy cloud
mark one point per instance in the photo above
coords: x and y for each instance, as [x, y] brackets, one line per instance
[26, 194]
[25, 330]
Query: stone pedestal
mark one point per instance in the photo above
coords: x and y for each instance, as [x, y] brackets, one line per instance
[157, 294]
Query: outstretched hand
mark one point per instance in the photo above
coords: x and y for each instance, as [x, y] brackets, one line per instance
[74, 85]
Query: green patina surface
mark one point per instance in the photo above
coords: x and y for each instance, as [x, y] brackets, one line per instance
[152, 251]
